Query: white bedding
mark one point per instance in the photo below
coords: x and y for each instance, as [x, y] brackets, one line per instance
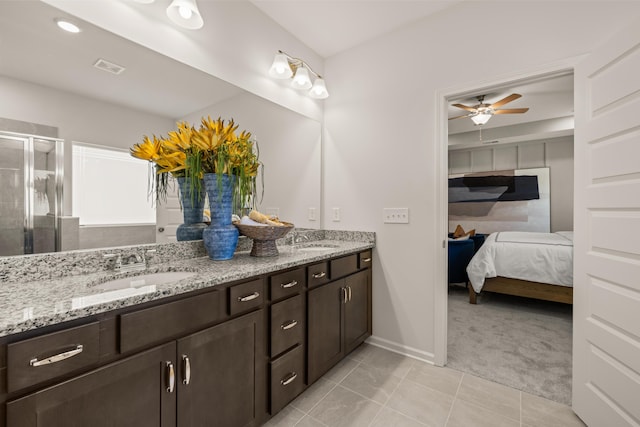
[536, 257]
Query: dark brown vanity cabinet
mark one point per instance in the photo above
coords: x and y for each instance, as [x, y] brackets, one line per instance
[339, 316]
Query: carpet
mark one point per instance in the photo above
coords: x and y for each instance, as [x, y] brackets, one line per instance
[519, 342]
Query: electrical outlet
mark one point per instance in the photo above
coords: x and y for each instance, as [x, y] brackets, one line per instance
[272, 212]
[395, 215]
[336, 214]
[312, 214]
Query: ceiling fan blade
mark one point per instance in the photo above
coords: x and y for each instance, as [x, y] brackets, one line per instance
[458, 117]
[511, 111]
[503, 101]
[464, 107]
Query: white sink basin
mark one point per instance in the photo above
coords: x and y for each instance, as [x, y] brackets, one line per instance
[315, 248]
[151, 279]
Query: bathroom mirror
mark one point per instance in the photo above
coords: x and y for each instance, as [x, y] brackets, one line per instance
[73, 82]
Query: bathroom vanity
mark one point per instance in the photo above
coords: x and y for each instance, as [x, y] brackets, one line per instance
[230, 345]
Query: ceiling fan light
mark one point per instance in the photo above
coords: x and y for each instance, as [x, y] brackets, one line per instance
[280, 68]
[185, 13]
[319, 89]
[301, 79]
[480, 118]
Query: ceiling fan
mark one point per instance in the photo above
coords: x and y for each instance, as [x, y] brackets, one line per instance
[481, 112]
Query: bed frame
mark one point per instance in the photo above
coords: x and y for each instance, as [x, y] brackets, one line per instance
[524, 288]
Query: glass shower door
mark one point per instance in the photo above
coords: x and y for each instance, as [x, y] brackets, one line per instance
[13, 196]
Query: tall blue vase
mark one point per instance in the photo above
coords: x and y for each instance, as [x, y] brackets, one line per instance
[221, 237]
[192, 208]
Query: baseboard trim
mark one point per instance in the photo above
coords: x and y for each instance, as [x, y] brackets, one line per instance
[405, 350]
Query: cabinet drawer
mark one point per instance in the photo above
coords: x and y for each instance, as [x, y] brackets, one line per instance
[48, 356]
[157, 324]
[287, 378]
[287, 324]
[285, 284]
[344, 266]
[364, 259]
[245, 296]
[317, 274]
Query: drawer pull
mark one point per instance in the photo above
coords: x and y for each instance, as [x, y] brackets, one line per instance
[57, 357]
[288, 380]
[171, 373]
[319, 275]
[187, 370]
[249, 297]
[288, 285]
[366, 260]
[289, 325]
[349, 289]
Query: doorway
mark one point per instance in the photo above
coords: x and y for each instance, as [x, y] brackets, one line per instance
[514, 148]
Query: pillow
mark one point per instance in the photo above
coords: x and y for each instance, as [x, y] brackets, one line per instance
[459, 232]
[465, 237]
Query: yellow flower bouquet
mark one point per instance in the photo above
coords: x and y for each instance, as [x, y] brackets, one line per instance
[215, 147]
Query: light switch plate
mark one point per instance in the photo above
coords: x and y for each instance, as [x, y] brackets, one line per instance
[336, 214]
[312, 214]
[395, 215]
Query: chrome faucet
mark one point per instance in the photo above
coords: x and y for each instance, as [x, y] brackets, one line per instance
[126, 263]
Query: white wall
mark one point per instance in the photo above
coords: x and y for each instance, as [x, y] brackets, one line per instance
[381, 135]
[556, 154]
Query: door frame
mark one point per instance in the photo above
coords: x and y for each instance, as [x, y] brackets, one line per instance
[442, 174]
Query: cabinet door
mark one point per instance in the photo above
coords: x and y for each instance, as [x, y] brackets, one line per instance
[131, 392]
[357, 310]
[325, 339]
[223, 380]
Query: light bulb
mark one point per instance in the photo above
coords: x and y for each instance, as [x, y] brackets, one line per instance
[319, 89]
[280, 68]
[185, 12]
[301, 80]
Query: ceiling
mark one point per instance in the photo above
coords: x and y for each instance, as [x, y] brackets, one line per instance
[333, 26]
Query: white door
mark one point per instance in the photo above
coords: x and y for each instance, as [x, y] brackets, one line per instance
[168, 216]
[606, 340]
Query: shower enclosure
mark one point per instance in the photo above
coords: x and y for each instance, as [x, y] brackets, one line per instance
[31, 176]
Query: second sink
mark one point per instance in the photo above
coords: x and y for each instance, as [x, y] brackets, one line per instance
[145, 280]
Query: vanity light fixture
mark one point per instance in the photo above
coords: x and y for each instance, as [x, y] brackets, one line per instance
[67, 25]
[286, 66]
[186, 14]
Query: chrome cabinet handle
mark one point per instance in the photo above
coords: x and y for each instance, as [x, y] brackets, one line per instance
[289, 325]
[349, 288]
[344, 295]
[366, 260]
[288, 285]
[187, 369]
[288, 380]
[56, 357]
[319, 275]
[249, 297]
[171, 373]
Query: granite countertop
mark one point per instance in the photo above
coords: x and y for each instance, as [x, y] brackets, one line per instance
[31, 304]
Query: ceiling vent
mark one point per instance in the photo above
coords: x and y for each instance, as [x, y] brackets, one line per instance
[110, 67]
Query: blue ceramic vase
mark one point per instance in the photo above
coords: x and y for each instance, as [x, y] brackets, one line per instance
[192, 208]
[221, 237]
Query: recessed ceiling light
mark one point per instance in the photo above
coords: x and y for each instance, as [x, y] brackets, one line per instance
[67, 25]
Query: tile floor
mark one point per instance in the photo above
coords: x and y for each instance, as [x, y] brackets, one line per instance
[378, 388]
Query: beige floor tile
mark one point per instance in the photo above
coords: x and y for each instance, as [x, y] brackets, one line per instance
[359, 353]
[313, 395]
[308, 421]
[341, 370]
[390, 418]
[465, 414]
[371, 382]
[489, 395]
[394, 363]
[421, 403]
[287, 417]
[539, 412]
[342, 408]
[442, 379]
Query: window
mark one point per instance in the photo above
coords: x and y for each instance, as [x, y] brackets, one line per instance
[110, 187]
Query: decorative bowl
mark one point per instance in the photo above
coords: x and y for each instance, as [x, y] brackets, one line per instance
[264, 237]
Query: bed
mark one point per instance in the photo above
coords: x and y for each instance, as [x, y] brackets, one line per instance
[528, 264]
